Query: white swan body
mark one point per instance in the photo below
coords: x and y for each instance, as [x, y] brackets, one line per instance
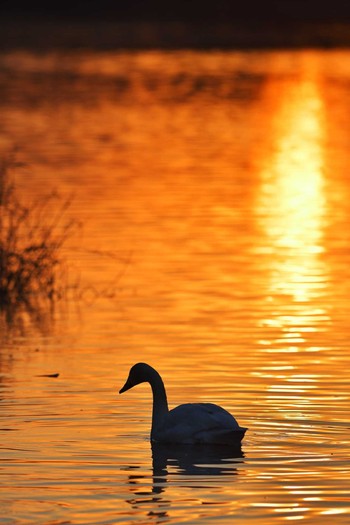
[190, 423]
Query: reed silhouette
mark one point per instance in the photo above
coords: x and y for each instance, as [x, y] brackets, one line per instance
[31, 238]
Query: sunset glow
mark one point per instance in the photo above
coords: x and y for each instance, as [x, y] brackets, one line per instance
[293, 190]
[209, 194]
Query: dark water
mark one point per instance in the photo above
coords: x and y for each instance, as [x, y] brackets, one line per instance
[213, 195]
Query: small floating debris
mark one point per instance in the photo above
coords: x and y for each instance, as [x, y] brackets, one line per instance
[48, 375]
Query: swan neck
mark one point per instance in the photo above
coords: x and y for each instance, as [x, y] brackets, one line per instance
[160, 402]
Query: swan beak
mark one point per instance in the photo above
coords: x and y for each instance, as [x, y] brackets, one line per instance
[126, 387]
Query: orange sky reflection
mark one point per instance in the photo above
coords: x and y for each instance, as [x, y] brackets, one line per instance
[292, 214]
[293, 190]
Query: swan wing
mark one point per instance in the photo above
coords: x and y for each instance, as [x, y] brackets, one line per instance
[200, 423]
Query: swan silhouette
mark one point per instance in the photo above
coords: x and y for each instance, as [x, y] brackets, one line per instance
[191, 423]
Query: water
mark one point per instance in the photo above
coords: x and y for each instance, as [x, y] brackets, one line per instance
[213, 195]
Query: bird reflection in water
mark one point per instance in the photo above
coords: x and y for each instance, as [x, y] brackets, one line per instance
[180, 460]
[195, 460]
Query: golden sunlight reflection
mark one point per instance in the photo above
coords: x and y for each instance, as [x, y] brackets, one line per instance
[292, 200]
[292, 210]
[292, 214]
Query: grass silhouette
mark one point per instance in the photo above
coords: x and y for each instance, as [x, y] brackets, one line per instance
[31, 238]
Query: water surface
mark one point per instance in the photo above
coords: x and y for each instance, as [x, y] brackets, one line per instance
[213, 195]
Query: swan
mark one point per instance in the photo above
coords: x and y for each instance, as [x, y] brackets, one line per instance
[191, 423]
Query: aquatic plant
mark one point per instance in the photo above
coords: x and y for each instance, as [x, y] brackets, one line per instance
[31, 238]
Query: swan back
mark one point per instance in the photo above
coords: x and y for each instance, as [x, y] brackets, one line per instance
[204, 423]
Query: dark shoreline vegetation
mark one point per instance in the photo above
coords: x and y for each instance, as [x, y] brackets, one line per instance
[45, 34]
[32, 235]
[34, 272]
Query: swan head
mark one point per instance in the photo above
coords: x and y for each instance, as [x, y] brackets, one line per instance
[139, 373]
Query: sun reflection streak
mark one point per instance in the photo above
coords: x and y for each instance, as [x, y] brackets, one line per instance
[292, 213]
[291, 209]
[293, 198]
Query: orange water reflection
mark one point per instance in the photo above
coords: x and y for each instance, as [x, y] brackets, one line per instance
[293, 211]
[292, 214]
[293, 193]
[217, 213]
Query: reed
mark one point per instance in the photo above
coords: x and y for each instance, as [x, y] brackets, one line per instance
[31, 239]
